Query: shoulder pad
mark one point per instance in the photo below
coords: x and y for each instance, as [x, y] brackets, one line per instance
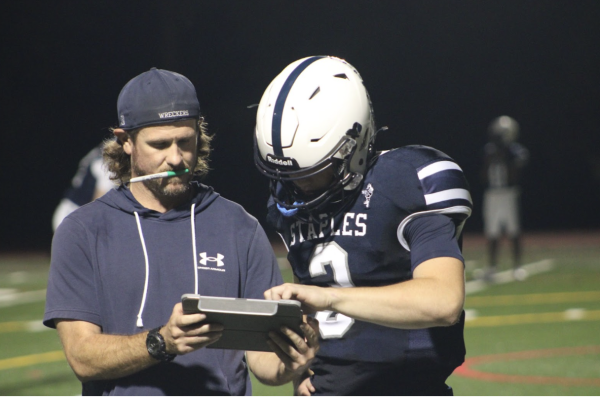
[442, 184]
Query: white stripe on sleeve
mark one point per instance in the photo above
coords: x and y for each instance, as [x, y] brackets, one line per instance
[448, 194]
[437, 167]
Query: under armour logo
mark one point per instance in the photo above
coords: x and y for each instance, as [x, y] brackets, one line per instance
[368, 192]
[204, 259]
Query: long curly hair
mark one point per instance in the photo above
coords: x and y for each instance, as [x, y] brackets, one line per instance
[118, 162]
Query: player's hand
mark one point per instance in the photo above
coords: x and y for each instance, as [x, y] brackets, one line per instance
[313, 298]
[184, 334]
[297, 356]
[304, 388]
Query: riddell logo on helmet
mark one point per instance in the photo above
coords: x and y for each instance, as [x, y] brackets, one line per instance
[166, 115]
[280, 162]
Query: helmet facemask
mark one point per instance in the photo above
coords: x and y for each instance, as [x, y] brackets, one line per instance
[289, 196]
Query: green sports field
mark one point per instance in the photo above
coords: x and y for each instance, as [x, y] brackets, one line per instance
[540, 336]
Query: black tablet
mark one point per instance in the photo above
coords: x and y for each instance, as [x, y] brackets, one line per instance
[247, 322]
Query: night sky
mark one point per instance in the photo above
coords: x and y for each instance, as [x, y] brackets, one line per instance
[437, 71]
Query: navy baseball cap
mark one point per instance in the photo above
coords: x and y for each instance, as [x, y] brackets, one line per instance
[156, 97]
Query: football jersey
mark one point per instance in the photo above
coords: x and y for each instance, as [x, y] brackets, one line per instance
[364, 245]
[503, 163]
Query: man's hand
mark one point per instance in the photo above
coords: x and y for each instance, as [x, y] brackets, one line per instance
[292, 359]
[296, 358]
[184, 334]
[313, 298]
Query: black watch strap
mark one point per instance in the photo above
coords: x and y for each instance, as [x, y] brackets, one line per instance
[156, 346]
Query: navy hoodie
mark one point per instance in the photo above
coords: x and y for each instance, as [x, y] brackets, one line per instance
[123, 267]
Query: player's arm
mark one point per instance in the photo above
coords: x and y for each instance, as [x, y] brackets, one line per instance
[288, 362]
[94, 355]
[433, 297]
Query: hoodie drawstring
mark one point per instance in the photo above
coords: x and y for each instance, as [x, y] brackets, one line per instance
[140, 322]
[192, 218]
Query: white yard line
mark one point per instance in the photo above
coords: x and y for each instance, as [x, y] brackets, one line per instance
[5, 292]
[507, 276]
[8, 299]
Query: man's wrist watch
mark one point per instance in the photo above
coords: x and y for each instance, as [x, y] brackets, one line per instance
[157, 348]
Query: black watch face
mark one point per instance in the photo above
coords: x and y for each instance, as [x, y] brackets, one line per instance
[154, 344]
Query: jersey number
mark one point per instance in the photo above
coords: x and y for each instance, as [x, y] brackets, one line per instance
[332, 325]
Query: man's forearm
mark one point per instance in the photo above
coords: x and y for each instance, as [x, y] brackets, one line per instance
[97, 356]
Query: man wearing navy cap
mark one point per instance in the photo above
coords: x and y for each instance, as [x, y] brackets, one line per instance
[121, 263]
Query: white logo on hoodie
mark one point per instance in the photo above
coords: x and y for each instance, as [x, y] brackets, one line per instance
[204, 259]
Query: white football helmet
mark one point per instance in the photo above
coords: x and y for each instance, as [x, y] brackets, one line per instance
[504, 128]
[314, 115]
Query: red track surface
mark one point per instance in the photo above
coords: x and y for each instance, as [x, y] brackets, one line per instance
[466, 369]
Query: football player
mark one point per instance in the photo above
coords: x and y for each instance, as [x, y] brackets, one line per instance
[504, 159]
[373, 237]
[89, 183]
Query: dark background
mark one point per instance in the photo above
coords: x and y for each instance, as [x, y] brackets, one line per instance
[437, 71]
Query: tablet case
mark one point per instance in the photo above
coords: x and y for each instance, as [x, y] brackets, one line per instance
[247, 322]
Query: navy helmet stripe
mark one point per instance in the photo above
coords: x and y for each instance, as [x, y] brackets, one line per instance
[279, 104]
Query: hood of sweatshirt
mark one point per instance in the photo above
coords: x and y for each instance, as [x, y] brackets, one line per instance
[122, 199]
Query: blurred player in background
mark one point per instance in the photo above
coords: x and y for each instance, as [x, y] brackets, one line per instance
[504, 159]
[90, 182]
[373, 237]
[120, 264]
